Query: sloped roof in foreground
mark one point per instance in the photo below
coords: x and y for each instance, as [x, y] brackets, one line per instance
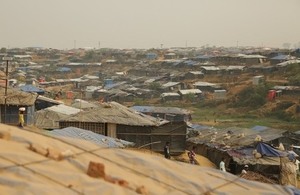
[24, 171]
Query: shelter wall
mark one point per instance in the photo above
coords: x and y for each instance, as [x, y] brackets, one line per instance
[175, 133]
[94, 127]
[10, 115]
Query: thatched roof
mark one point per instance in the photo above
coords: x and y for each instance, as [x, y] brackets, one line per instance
[115, 113]
[16, 97]
[49, 118]
[81, 104]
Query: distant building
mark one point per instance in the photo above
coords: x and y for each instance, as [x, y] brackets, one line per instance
[281, 58]
[220, 94]
[256, 80]
[118, 121]
[151, 56]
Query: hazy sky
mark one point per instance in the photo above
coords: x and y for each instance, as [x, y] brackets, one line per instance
[148, 24]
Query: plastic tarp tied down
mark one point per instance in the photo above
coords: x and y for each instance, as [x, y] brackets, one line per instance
[267, 150]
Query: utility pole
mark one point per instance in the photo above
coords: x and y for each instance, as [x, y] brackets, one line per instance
[6, 84]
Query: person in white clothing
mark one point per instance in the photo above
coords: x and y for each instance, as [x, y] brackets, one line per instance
[244, 171]
[222, 165]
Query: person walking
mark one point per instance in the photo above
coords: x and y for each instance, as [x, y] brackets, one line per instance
[222, 165]
[21, 117]
[192, 156]
[167, 150]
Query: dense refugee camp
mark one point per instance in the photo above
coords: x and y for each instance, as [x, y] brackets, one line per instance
[153, 98]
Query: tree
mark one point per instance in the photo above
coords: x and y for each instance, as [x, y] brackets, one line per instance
[190, 97]
[253, 96]
[3, 50]
[155, 86]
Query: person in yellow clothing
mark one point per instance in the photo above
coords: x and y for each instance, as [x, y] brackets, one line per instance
[21, 117]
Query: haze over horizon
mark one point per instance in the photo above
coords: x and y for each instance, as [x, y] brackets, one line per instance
[70, 24]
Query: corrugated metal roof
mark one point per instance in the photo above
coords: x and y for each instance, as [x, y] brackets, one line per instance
[170, 84]
[188, 91]
[63, 109]
[169, 94]
[210, 68]
[235, 67]
[204, 84]
[153, 109]
[254, 56]
[43, 98]
[196, 72]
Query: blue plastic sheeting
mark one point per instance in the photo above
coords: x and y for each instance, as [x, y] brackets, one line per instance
[267, 150]
[31, 88]
[295, 190]
[99, 139]
[63, 69]
[259, 128]
[280, 57]
[204, 57]
[199, 127]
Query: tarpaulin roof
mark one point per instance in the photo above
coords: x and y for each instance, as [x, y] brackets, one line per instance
[267, 150]
[239, 137]
[31, 88]
[73, 132]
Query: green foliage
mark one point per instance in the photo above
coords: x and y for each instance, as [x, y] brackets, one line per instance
[284, 105]
[190, 97]
[139, 101]
[155, 86]
[281, 115]
[293, 74]
[3, 50]
[209, 104]
[253, 97]
[92, 56]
